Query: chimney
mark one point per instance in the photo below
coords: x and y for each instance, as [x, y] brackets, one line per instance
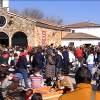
[5, 3]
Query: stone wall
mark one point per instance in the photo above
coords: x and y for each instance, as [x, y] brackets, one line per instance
[20, 24]
[33, 33]
[52, 36]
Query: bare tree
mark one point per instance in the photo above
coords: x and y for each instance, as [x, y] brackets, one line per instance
[37, 13]
[60, 21]
[14, 10]
[33, 12]
[54, 19]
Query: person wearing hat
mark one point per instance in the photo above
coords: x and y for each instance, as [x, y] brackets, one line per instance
[50, 67]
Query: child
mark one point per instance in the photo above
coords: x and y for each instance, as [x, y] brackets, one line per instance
[14, 90]
[6, 83]
[20, 76]
[36, 79]
[62, 83]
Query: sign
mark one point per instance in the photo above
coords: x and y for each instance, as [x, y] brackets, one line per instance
[43, 38]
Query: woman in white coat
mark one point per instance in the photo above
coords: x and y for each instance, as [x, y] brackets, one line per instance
[90, 61]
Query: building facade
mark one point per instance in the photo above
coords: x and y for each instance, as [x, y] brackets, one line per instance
[82, 33]
[85, 27]
[78, 39]
[17, 29]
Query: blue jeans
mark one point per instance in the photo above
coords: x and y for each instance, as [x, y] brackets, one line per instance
[25, 76]
[90, 67]
[41, 71]
[45, 63]
[57, 70]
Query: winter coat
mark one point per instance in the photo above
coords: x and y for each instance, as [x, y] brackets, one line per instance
[58, 61]
[50, 68]
[66, 56]
[22, 61]
[90, 59]
[71, 57]
[79, 53]
[38, 60]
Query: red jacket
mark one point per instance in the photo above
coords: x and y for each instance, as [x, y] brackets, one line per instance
[79, 53]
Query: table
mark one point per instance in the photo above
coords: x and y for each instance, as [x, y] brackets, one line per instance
[48, 95]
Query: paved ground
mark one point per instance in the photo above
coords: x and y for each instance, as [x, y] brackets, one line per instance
[72, 81]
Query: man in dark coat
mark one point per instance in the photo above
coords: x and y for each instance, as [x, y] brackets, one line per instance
[38, 60]
[22, 67]
[58, 62]
[66, 60]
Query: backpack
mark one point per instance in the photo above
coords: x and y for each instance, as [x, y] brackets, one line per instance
[38, 59]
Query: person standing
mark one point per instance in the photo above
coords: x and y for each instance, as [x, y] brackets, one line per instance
[90, 61]
[50, 68]
[22, 67]
[58, 62]
[71, 58]
[66, 61]
[38, 60]
[79, 54]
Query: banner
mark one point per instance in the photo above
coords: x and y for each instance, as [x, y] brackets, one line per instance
[43, 38]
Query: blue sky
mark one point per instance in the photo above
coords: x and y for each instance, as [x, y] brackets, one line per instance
[71, 11]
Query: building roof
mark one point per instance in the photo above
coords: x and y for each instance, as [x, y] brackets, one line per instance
[38, 20]
[79, 36]
[82, 24]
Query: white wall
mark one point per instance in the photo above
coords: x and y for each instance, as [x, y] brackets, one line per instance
[5, 3]
[78, 42]
[91, 30]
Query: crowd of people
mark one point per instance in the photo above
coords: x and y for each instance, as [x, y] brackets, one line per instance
[47, 66]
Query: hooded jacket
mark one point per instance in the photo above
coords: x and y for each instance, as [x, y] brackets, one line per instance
[22, 61]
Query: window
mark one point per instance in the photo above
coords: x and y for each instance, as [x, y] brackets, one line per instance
[69, 30]
[73, 31]
[71, 43]
[2, 21]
